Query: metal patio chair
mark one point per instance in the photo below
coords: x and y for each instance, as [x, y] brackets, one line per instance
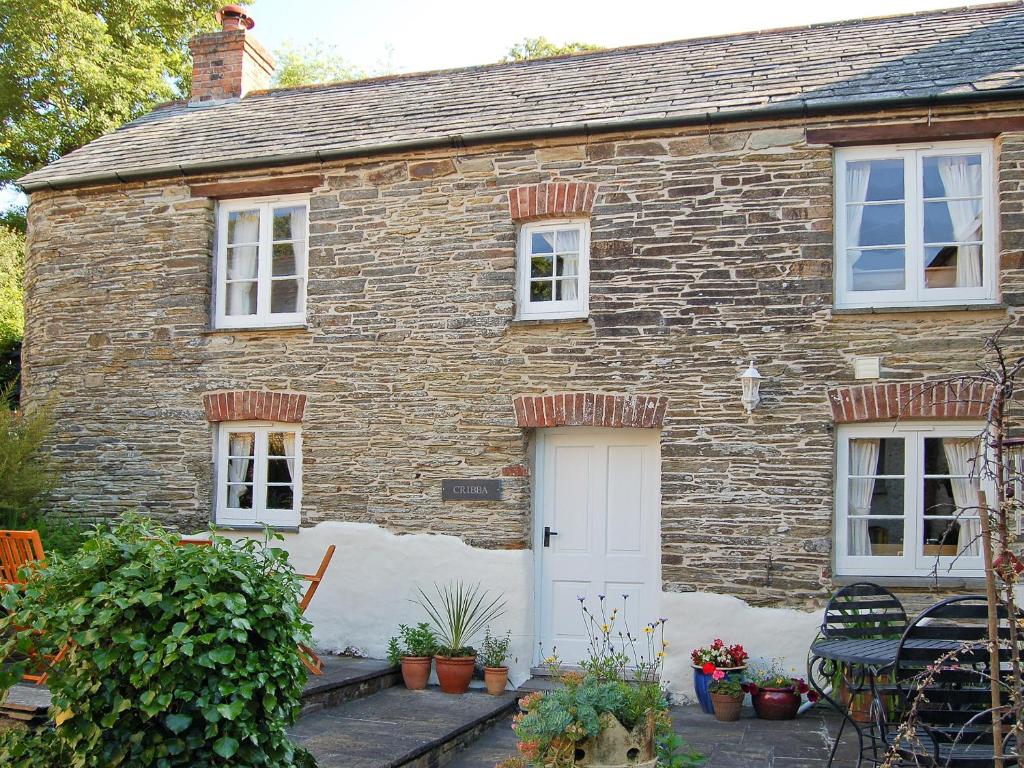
[864, 611]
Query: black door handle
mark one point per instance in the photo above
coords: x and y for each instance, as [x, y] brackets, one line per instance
[548, 533]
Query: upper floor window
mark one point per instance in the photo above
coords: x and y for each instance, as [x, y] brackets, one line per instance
[907, 499]
[553, 269]
[259, 473]
[261, 262]
[915, 225]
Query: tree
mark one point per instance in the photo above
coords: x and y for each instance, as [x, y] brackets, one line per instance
[312, 64]
[12, 314]
[541, 47]
[72, 70]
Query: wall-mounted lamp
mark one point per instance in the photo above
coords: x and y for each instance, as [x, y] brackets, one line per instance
[751, 381]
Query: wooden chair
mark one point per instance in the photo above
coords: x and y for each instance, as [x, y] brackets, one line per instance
[18, 550]
[306, 654]
[941, 671]
[864, 611]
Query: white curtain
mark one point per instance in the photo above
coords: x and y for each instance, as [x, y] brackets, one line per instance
[569, 246]
[242, 263]
[961, 456]
[863, 461]
[857, 177]
[961, 179]
[289, 450]
[239, 444]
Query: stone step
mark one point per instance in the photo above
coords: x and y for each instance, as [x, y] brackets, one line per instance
[398, 727]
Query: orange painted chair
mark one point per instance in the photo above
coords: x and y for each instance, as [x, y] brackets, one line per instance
[20, 550]
[306, 654]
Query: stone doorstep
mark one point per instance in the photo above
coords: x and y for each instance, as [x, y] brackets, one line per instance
[397, 727]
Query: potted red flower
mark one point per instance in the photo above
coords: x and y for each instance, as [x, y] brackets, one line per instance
[729, 659]
[775, 694]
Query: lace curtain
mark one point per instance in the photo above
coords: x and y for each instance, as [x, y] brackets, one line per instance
[961, 179]
[863, 461]
[961, 456]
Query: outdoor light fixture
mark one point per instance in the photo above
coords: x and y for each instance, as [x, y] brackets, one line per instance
[751, 381]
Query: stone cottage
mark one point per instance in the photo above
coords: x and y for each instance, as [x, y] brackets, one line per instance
[490, 323]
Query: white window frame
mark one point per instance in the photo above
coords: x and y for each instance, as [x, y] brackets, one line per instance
[258, 515]
[915, 293]
[263, 318]
[913, 562]
[542, 310]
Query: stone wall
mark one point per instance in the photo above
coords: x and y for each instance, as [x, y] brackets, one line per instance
[709, 249]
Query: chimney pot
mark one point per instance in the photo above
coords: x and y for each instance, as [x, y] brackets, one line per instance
[234, 17]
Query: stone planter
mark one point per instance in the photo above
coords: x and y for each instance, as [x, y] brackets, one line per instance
[454, 673]
[727, 706]
[776, 703]
[701, 682]
[416, 672]
[615, 747]
[496, 679]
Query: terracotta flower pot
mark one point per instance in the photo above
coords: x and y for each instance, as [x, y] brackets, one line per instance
[496, 678]
[415, 672]
[454, 673]
[727, 706]
[776, 703]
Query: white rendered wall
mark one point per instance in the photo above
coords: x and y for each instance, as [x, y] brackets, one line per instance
[368, 588]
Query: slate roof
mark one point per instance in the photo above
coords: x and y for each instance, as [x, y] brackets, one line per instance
[969, 53]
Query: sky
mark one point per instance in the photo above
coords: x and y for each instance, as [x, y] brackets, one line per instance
[407, 36]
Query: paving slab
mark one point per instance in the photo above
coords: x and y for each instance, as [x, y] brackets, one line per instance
[749, 743]
[399, 727]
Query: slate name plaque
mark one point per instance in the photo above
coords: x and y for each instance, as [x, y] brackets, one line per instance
[471, 490]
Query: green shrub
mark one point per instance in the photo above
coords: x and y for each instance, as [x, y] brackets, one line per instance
[27, 473]
[181, 656]
[412, 641]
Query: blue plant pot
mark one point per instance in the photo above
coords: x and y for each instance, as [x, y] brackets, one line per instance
[701, 682]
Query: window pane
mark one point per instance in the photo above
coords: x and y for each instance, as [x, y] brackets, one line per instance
[542, 242]
[941, 221]
[565, 290]
[280, 497]
[874, 180]
[880, 270]
[281, 444]
[244, 227]
[279, 470]
[952, 266]
[287, 258]
[540, 290]
[289, 223]
[952, 176]
[284, 296]
[243, 261]
[567, 266]
[568, 241]
[241, 298]
[876, 538]
[879, 225]
[239, 496]
[540, 266]
[940, 537]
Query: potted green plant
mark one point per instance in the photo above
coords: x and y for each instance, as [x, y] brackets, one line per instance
[731, 659]
[775, 694]
[413, 649]
[493, 652]
[726, 696]
[458, 614]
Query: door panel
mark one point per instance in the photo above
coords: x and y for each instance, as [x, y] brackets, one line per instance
[598, 490]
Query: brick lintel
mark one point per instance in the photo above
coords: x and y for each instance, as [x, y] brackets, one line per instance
[590, 409]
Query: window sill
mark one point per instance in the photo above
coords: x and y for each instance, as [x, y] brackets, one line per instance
[974, 307]
[549, 320]
[917, 582]
[255, 329]
[241, 527]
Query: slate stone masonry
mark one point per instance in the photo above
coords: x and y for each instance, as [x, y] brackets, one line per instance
[709, 249]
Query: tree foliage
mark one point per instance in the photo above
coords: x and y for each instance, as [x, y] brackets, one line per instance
[180, 655]
[541, 47]
[27, 473]
[71, 70]
[311, 64]
[12, 274]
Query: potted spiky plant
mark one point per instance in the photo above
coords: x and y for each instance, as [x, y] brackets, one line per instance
[458, 614]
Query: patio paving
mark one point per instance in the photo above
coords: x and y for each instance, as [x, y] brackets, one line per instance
[750, 743]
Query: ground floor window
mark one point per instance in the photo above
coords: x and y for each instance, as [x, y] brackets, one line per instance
[906, 499]
[259, 471]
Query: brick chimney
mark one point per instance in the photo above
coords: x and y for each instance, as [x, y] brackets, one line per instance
[230, 63]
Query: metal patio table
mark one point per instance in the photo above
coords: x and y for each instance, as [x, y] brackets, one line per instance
[863, 661]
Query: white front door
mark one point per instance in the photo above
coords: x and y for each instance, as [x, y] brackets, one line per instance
[598, 496]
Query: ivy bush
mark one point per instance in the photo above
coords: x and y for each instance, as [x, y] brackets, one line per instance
[180, 655]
